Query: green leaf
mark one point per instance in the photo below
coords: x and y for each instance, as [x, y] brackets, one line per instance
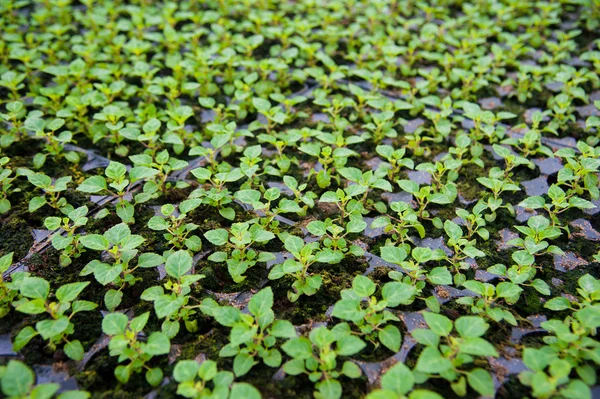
[440, 276]
[95, 241]
[261, 105]
[142, 173]
[178, 264]
[396, 293]
[298, 348]
[154, 376]
[17, 379]
[68, 292]
[432, 361]
[541, 286]
[150, 259]
[481, 381]
[242, 363]
[294, 244]
[115, 170]
[441, 325]
[92, 185]
[535, 202]
[356, 225]
[186, 370]
[123, 373]
[112, 299]
[74, 350]
[577, 389]
[477, 347]
[248, 196]
[52, 328]
[244, 390]
[394, 255]
[351, 370]
[36, 203]
[329, 257]
[166, 305]
[260, 306]
[74, 395]
[138, 323]
[157, 223]
[349, 345]
[363, 286]
[5, 262]
[217, 237]
[52, 223]
[283, 329]
[348, 309]
[537, 359]
[509, 291]
[558, 303]
[471, 326]
[453, 230]
[118, 233]
[114, 323]
[294, 367]
[391, 338]
[35, 306]
[158, 344]
[23, 338]
[83, 306]
[35, 287]
[242, 333]
[317, 228]
[329, 389]
[589, 316]
[398, 379]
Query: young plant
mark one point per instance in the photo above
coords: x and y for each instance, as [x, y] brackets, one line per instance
[266, 210]
[120, 247]
[401, 224]
[126, 344]
[68, 244]
[8, 290]
[305, 255]
[177, 231]
[395, 160]
[559, 203]
[51, 191]
[317, 355]
[205, 380]
[239, 238]
[6, 184]
[119, 184]
[474, 221]
[566, 364]
[35, 292]
[54, 143]
[462, 247]
[332, 236]
[446, 354]
[429, 195]
[252, 335]
[414, 275]
[369, 315]
[490, 299]
[213, 190]
[537, 231]
[162, 165]
[522, 272]
[173, 305]
[398, 383]
[17, 381]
